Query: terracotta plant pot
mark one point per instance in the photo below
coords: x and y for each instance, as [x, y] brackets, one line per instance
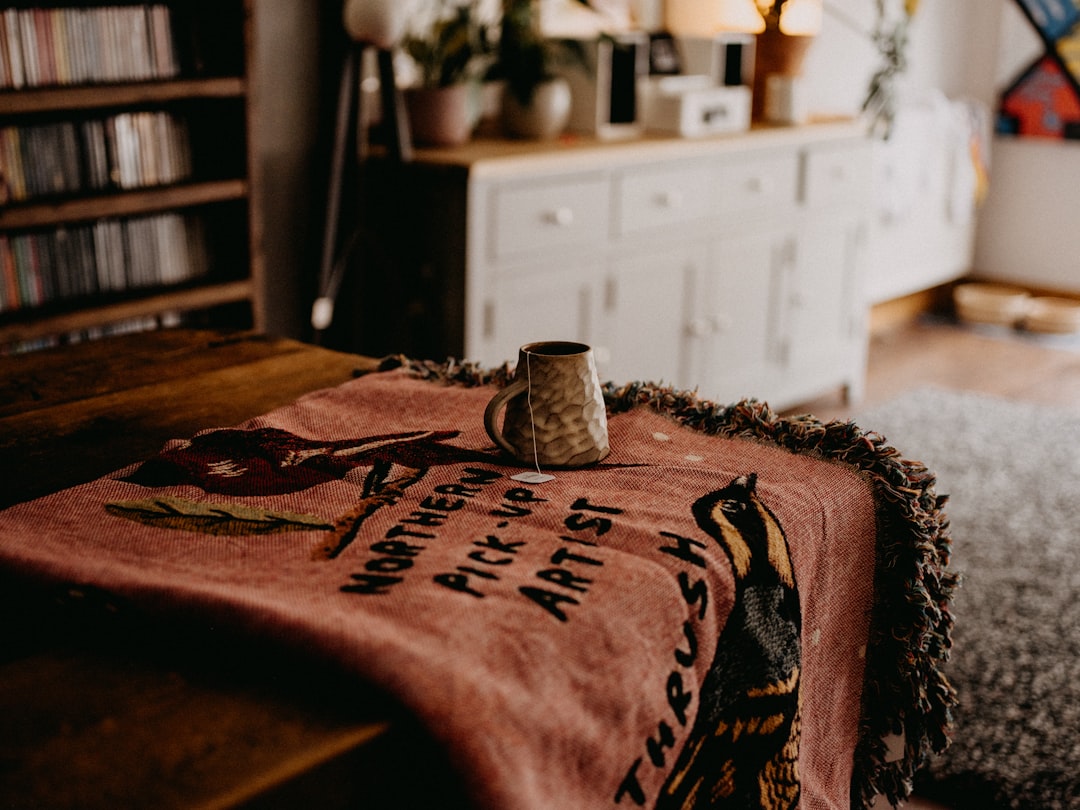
[441, 116]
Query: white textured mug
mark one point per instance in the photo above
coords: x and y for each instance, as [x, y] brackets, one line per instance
[555, 414]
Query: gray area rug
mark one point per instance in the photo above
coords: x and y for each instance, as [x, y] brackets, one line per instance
[1012, 473]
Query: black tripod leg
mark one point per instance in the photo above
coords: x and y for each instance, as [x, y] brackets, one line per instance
[344, 145]
[395, 119]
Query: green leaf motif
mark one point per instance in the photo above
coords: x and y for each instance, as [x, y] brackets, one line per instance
[230, 519]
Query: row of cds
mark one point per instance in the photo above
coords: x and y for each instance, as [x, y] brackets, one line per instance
[42, 47]
[127, 326]
[126, 151]
[109, 255]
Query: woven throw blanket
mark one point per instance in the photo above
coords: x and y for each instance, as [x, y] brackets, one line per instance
[697, 621]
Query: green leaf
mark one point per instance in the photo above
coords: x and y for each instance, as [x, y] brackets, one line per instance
[230, 519]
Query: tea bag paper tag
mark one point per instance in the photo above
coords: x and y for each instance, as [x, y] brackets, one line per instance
[532, 477]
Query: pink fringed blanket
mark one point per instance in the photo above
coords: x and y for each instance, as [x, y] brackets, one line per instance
[687, 621]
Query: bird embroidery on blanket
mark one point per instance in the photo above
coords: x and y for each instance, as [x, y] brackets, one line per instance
[742, 751]
[271, 461]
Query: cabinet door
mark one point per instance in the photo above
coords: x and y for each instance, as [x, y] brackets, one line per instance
[540, 304]
[733, 332]
[645, 306]
[824, 329]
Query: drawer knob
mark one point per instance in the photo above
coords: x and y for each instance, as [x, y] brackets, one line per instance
[698, 327]
[754, 185]
[561, 216]
[669, 199]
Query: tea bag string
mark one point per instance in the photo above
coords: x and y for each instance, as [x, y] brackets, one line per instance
[532, 418]
[528, 477]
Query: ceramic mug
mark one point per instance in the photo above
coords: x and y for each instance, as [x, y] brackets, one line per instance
[555, 415]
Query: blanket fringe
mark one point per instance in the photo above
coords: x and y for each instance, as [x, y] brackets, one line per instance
[906, 694]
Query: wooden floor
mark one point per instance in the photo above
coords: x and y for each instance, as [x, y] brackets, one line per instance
[939, 353]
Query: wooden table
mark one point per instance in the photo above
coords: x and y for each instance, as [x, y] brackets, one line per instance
[100, 714]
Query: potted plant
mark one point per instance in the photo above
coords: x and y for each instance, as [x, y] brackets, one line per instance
[451, 49]
[537, 100]
[890, 36]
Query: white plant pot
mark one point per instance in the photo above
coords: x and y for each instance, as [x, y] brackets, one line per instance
[545, 117]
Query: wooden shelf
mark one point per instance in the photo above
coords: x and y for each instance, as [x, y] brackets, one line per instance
[50, 99]
[122, 204]
[218, 111]
[181, 300]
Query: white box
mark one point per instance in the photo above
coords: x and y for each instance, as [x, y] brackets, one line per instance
[785, 100]
[693, 106]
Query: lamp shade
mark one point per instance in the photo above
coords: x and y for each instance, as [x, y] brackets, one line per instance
[705, 18]
[377, 22]
[741, 15]
[801, 17]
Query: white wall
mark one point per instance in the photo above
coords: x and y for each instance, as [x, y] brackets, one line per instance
[1028, 232]
[953, 48]
[1028, 229]
[923, 229]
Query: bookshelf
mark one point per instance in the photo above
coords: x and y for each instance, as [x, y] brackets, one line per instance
[127, 182]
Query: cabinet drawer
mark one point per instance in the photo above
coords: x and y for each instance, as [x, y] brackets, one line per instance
[531, 217]
[756, 184]
[836, 175]
[654, 199]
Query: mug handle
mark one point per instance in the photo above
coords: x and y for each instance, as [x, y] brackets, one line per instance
[491, 413]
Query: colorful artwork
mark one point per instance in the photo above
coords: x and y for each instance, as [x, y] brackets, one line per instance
[1043, 103]
[1044, 100]
[1053, 18]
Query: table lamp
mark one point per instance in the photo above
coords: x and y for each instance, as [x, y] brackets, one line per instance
[790, 28]
[801, 17]
[377, 24]
[704, 18]
[740, 15]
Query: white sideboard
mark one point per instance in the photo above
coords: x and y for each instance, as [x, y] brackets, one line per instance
[732, 265]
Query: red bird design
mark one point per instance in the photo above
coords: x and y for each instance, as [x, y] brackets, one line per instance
[271, 461]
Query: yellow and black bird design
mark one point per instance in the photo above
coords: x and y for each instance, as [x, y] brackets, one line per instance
[743, 749]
